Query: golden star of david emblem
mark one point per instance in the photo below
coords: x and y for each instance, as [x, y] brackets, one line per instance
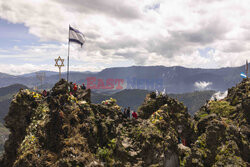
[59, 60]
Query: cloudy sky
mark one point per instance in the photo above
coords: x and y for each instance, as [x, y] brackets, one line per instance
[189, 33]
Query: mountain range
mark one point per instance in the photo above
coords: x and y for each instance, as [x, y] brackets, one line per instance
[171, 79]
[6, 95]
[133, 98]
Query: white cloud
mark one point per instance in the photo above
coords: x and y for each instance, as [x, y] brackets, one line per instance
[219, 95]
[202, 85]
[146, 32]
[22, 69]
[29, 68]
[42, 57]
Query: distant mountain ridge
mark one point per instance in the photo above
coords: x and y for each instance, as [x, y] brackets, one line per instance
[3, 75]
[6, 94]
[135, 97]
[173, 79]
[12, 89]
[33, 74]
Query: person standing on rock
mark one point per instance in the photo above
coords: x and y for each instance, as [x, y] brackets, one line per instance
[75, 89]
[134, 115]
[71, 86]
[128, 112]
[83, 87]
[125, 112]
[44, 93]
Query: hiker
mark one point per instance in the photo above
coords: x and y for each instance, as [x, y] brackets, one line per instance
[179, 130]
[75, 89]
[179, 140]
[68, 88]
[83, 87]
[183, 141]
[71, 86]
[128, 112]
[125, 112]
[44, 93]
[134, 115]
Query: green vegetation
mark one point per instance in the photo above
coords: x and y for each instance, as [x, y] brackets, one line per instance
[106, 153]
[221, 108]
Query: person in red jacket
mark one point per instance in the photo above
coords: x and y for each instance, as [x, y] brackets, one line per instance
[134, 115]
[75, 87]
[44, 93]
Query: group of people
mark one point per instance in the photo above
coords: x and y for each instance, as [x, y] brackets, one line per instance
[126, 113]
[74, 87]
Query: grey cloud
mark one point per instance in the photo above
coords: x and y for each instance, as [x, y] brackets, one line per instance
[123, 42]
[209, 1]
[247, 37]
[5, 7]
[182, 41]
[166, 47]
[206, 34]
[246, 34]
[92, 35]
[235, 47]
[137, 56]
[114, 8]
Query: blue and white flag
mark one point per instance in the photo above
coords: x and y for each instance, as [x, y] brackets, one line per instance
[243, 75]
[76, 36]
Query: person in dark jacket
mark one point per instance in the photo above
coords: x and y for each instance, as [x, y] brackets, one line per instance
[125, 112]
[128, 112]
[83, 87]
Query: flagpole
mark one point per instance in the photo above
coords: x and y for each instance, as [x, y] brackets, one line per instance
[68, 56]
[247, 68]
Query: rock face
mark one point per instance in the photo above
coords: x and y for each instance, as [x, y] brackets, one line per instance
[223, 131]
[64, 130]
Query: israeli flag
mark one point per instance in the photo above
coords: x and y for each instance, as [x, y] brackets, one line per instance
[243, 75]
[76, 36]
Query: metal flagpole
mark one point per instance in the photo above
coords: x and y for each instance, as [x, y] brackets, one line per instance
[246, 68]
[68, 56]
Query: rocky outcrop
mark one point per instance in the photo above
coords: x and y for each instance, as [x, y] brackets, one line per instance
[222, 129]
[68, 130]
